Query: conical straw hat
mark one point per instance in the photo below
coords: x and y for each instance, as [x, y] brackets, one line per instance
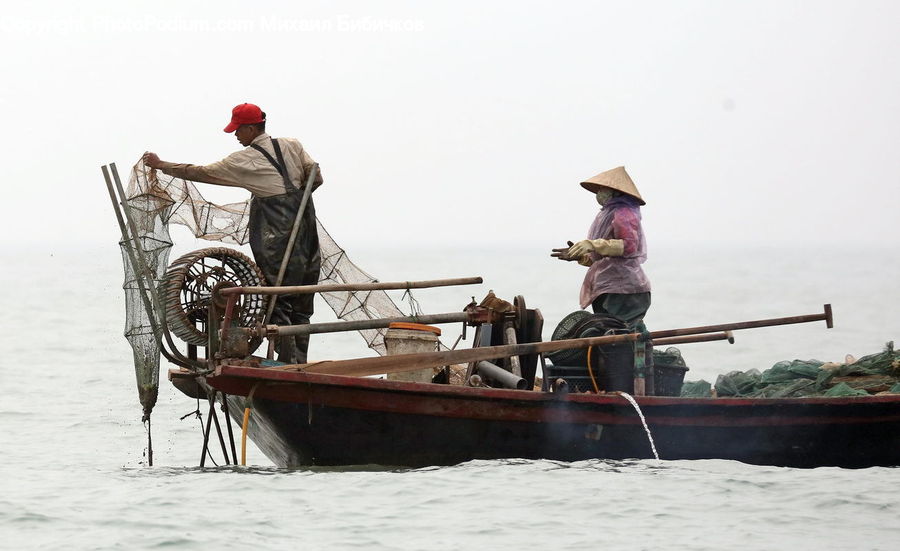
[616, 179]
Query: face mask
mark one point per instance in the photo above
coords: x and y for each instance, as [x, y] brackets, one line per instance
[603, 196]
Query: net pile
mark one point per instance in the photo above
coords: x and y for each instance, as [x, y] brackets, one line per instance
[872, 374]
[156, 200]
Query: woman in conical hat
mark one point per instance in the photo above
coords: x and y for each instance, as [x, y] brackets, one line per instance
[615, 283]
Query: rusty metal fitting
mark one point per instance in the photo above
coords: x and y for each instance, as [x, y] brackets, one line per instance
[220, 300]
[234, 343]
[560, 386]
[479, 315]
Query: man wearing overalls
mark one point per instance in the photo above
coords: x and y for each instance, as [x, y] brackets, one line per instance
[275, 172]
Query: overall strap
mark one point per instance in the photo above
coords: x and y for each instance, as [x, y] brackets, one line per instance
[279, 164]
[288, 186]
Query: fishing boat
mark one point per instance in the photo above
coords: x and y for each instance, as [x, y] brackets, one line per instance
[335, 413]
[314, 419]
[614, 404]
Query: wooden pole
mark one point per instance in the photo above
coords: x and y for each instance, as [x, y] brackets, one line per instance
[411, 362]
[290, 245]
[509, 336]
[328, 288]
[337, 326]
[825, 316]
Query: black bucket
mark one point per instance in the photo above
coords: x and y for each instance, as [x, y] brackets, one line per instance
[669, 369]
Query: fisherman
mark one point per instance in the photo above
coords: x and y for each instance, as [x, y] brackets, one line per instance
[275, 172]
[615, 283]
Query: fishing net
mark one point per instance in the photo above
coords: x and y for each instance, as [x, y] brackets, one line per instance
[671, 356]
[149, 212]
[870, 374]
[696, 389]
[886, 362]
[843, 389]
[156, 200]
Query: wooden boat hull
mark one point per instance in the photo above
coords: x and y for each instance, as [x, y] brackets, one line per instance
[308, 419]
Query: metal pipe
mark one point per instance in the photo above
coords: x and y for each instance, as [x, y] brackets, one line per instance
[502, 376]
[725, 335]
[333, 287]
[337, 326]
[290, 246]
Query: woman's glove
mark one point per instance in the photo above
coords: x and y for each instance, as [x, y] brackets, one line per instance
[603, 247]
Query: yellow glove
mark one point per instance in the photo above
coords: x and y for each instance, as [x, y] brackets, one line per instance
[603, 247]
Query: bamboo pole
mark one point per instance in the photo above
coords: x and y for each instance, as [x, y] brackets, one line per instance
[333, 287]
[338, 326]
[411, 362]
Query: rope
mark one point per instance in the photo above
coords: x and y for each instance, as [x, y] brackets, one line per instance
[414, 307]
[591, 371]
[244, 426]
[149, 442]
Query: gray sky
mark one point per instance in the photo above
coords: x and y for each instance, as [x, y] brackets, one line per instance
[454, 122]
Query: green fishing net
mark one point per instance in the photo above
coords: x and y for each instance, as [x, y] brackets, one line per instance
[696, 389]
[801, 378]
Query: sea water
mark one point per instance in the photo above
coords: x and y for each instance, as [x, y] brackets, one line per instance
[74, 475]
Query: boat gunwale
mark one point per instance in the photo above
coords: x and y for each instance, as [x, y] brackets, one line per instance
[300, 377]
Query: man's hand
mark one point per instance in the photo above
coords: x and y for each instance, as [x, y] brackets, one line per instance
[152, 160]
[563, 253]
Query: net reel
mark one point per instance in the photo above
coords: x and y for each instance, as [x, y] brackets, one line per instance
[188, 290]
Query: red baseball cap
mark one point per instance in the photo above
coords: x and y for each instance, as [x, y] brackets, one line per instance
[245, 113]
